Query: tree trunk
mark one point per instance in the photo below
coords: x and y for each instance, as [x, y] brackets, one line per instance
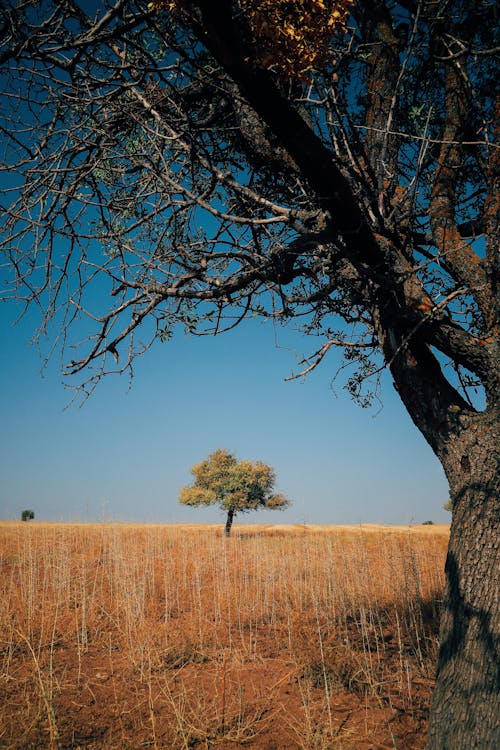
[464, 712]
[229, 521]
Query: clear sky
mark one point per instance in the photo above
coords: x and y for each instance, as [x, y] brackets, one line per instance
[125, 453]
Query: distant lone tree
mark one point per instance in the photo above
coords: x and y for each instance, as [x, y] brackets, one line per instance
[27, 515]
[236, 486]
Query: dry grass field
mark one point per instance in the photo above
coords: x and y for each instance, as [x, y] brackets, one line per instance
[121, 636]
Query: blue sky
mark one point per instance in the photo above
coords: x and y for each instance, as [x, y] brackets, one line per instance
[125, 453]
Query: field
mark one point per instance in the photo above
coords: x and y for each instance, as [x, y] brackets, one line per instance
[122, 636]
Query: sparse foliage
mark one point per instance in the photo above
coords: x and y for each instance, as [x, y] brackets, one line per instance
[236, 486]
[191, 166]
[288, 36]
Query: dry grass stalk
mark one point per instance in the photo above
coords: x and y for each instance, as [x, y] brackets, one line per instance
[175, 637]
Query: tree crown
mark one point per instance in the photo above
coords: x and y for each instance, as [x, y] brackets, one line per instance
[240, 486]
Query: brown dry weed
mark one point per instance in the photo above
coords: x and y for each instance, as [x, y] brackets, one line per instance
[128, 636]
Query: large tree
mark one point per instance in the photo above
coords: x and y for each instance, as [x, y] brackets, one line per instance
[201, 162]
[235, 486]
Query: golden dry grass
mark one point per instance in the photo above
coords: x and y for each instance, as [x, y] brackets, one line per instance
[128, 636]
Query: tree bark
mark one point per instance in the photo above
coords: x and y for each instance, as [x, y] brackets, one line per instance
[464, 712]
[229, 522]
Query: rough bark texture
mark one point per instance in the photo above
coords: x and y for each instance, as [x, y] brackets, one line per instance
[465, 713]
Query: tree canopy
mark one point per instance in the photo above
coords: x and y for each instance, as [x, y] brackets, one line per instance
[189, 163]
[236, 486]
[159, 175]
